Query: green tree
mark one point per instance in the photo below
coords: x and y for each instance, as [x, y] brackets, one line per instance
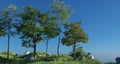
[60, 13]
[50, 30]
[7, 23]
[73, 35]
[30, 27]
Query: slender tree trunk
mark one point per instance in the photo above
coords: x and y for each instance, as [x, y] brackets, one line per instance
[34, 50]
[8, 49]
[47, 48]
[8, 46]
[74, 46]
[58, 46]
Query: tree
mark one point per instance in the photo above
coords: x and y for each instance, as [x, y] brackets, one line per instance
[60, 12]
[73, 35]
[50, 30]
[31, 28]
[7, 23]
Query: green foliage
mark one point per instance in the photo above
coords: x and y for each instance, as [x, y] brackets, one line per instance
[1, 28]
[30, 28]
[60, 13]
[65, 58]
[41, 61]
[53, 59]
[90, 62]
[74, 34]
[50, 29]
[7, 22]
[4, 54]
[40, 54]
[7, 16]
[36, 26]
[79, 53]
[1, 31]
[60, 10]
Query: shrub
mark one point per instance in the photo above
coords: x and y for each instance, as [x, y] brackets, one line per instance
[11, 54]
[78, 52]
[40, 54]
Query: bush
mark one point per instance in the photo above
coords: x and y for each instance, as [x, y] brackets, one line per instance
[11, 54]
[78, 52]
[40, 54]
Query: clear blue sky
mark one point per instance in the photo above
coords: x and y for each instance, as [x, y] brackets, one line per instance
[101, 21]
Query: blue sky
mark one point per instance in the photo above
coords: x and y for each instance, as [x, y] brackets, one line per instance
[100, 21]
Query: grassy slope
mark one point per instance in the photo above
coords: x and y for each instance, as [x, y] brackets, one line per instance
[63, 59]
[40, 61]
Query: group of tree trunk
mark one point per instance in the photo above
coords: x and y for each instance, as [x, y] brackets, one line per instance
[34, 26]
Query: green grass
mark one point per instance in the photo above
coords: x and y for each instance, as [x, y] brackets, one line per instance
[47, 62]
[110, 63]
[41, 59]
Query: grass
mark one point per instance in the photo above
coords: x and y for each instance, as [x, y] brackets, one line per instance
[110, 63]
[41, 60]
[53, 59]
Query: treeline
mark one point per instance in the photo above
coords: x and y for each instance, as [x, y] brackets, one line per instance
[34, 26]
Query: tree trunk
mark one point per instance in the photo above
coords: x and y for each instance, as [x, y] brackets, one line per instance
[58, 45]
[34, 50]
[47, 48]
[74, 46]
[8, 46]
